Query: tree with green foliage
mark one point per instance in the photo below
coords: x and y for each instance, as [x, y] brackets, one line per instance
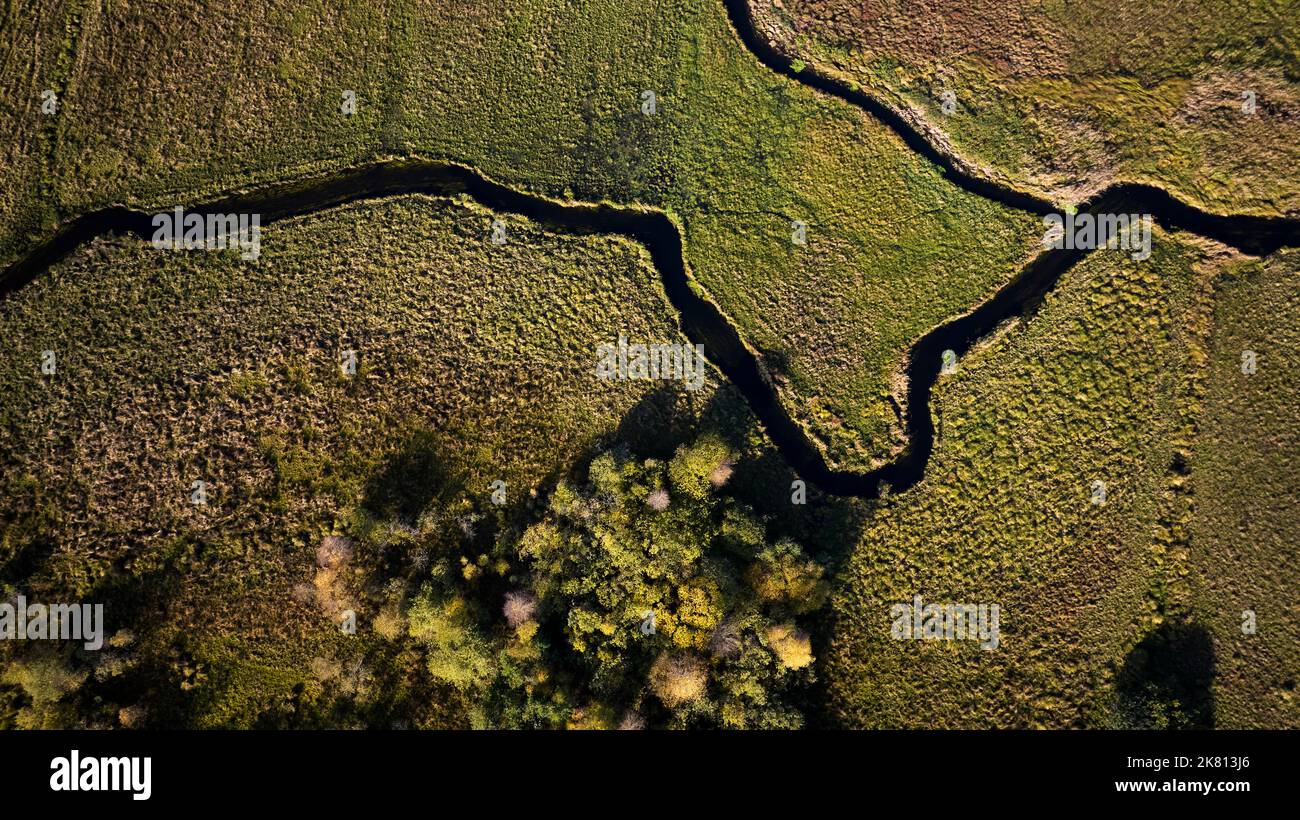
[784, 575]
[457, 653]
[673, 605]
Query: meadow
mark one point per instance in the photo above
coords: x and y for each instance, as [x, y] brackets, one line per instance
[1243, 558]
[1106, 383]
[548, 97]
[1062, 99]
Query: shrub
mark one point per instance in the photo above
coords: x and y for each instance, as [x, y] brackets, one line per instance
[782, 574]
[520, 606]
[679, 678]
[694, 467]
[457, 654]
[791, 645]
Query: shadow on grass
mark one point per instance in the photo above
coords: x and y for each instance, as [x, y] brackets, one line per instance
[1167, 680]
[412, 478]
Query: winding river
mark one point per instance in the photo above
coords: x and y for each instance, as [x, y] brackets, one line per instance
[700, 319]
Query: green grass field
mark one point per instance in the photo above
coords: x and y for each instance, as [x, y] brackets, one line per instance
[1243, 554]
[1104, 384]
[1063, 98]
[538, 101]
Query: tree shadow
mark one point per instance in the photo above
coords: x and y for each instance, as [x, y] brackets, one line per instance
[412, 478]
[1167, 680]
[776, 360]
[657, 424]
